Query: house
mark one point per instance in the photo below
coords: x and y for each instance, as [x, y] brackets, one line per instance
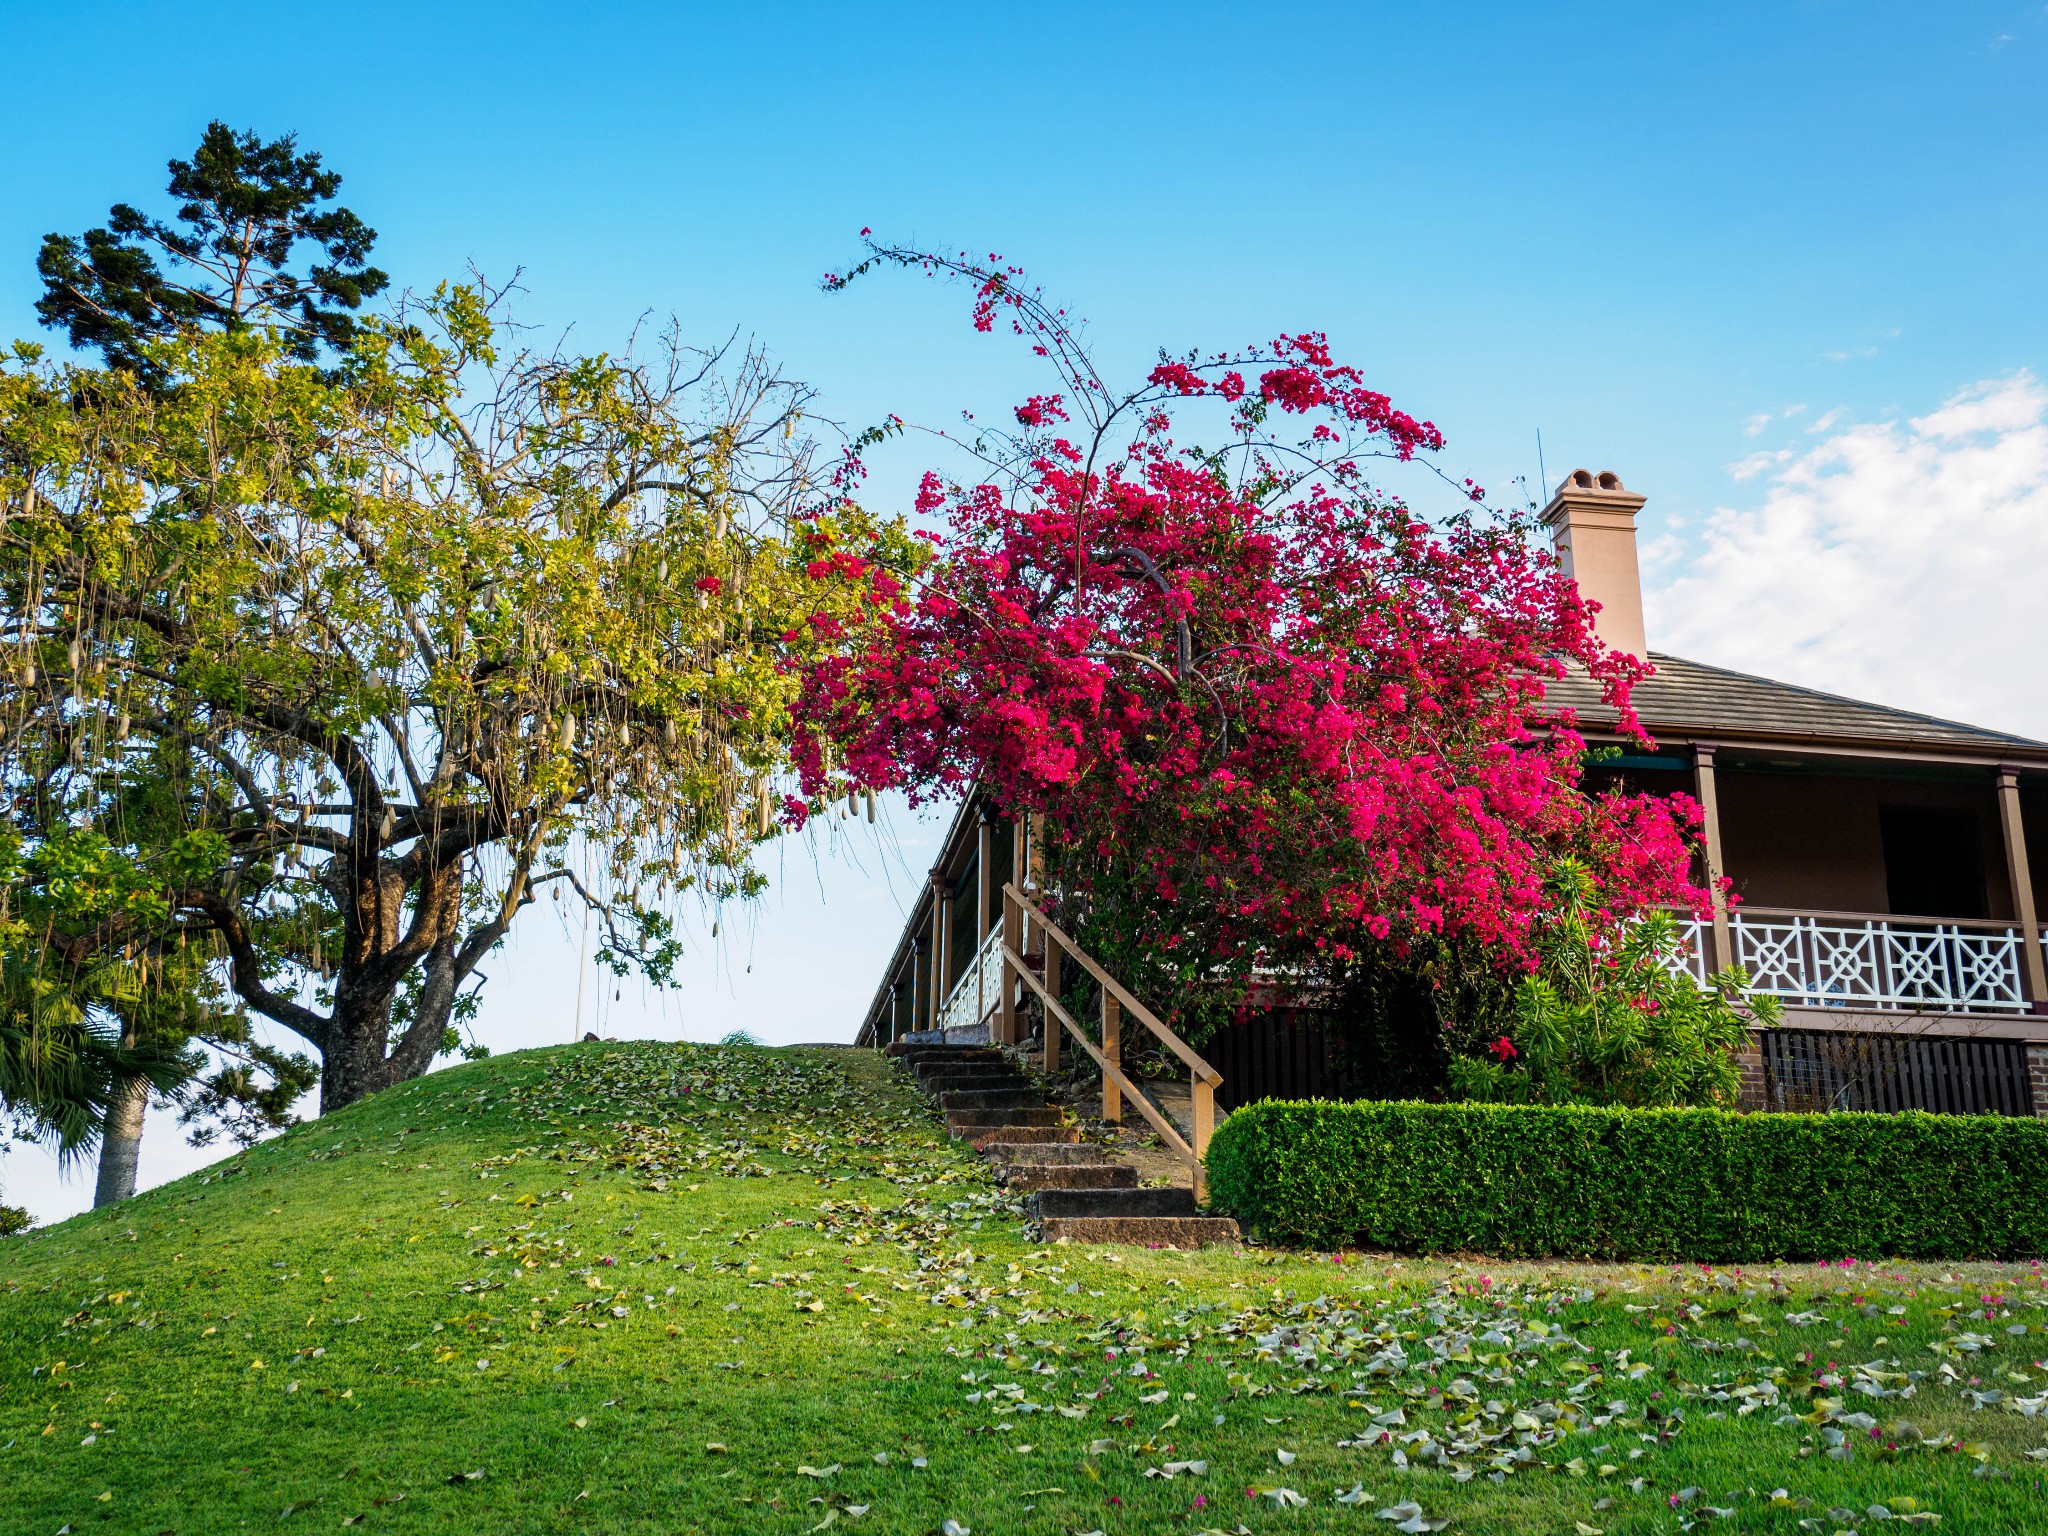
[1881, 864]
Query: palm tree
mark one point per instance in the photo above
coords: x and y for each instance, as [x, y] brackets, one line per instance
[64, 1066]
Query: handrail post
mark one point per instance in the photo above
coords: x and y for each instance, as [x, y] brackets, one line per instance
[1112, 1021]
[1013, 934]
[1052, 1031]
[1203, 1094]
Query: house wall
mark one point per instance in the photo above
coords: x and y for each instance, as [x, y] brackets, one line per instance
[966, 940]
[1811, 840]
[2034, 816]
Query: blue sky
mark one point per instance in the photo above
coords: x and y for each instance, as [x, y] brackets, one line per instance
[1634, 227]
[1742, 254]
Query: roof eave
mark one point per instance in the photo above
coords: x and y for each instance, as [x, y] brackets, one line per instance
[1988, 755]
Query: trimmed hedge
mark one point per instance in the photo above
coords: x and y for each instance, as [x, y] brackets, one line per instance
[1698, 1184]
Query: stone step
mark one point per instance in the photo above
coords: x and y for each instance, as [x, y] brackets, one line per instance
[1141, 1231]
[983, 1137]
[923, 1067]
[1113, 1202]
[1026, 1177]
[974, 1121]
[1022, 1094]
[939, 1082]
[957, 1100]
[1039, 1152]
[930, 1071]
[920, 1050]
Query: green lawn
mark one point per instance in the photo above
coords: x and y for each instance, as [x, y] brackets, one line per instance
[647, 1288]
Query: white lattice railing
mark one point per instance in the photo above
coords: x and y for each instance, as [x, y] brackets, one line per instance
[1694, 934]
[1840, 960]
[979, 988]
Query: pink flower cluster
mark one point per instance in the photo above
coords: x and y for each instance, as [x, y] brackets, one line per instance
[1271, 691]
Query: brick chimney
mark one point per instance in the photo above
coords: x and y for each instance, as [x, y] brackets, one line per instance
[1592, 520]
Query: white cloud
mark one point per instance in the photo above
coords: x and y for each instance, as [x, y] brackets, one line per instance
[1894, 561]
[1749, 467]
[1755, 425]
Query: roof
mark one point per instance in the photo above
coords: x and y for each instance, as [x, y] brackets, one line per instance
[1687, 699]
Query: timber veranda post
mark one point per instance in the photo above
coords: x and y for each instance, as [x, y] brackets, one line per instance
[949, 975]
[1707, 794]
[2032, 966]
[935, 961]
[1013, 932]
[984, 916]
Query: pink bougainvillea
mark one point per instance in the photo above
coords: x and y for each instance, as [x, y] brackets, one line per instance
[1236, 678]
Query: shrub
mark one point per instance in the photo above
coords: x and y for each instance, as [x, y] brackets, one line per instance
[1612, 1017]
[1571, 1181]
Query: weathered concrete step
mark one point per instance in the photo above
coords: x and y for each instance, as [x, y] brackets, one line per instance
[1034, 1176]
[958, 1100]
[1141, 1231]
[942, 1082]
[1113, 1202]
[1039, 1152]
[982, 1138]
[994, 1067]
[922, 1050]
[965, 1121]
[1028, 1094]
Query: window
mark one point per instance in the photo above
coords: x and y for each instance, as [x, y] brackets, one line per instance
[1933, 864]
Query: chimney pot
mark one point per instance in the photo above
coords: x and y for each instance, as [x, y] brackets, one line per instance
[1592, 520]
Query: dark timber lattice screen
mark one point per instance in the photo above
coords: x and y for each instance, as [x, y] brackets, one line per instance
[1277, 1055]
[1816, 1069]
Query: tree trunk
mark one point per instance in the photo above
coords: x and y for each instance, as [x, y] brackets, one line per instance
[121, 1141]
[358, 1056]
[352, 1063]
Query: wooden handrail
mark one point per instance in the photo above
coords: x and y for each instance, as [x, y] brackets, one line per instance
[1116, 1000]
[1168, 1131]
[1116, 989]
[1895, 919]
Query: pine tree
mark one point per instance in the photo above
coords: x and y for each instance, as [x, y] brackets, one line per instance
[231, 258]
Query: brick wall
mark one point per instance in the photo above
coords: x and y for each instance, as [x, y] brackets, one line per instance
[1749, 1062]
[2037, 1079]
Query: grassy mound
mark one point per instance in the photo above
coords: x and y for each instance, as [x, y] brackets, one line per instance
[641, 1288]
